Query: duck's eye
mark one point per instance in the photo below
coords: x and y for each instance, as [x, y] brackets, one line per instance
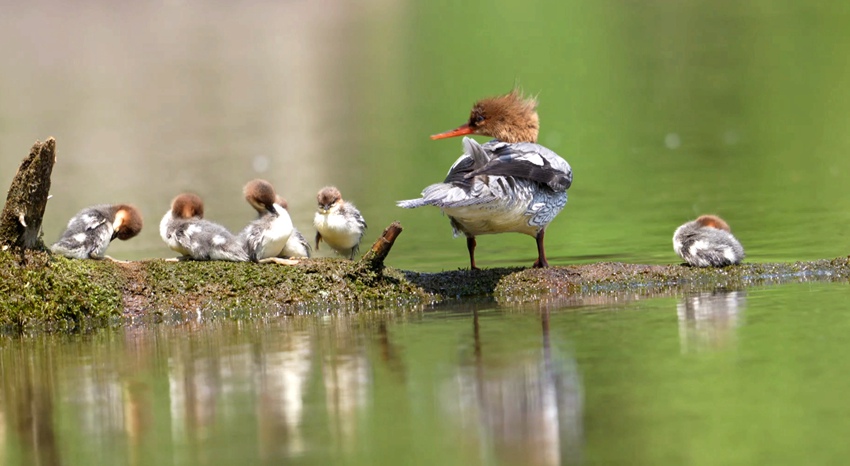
[476, 119]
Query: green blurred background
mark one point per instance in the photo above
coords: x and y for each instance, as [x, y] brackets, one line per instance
[665, 110]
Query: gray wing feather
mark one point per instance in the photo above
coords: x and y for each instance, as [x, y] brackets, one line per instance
[497, 172]
[296, 246]
[96, 230]
[198, 238]
[714, 247]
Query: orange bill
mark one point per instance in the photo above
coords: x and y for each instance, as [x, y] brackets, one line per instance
[459, 131]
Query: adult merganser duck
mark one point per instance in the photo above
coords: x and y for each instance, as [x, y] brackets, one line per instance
[266, 236]
[510, 184]
[297, 246]
[338, 223]
[707, 242]
[90, 231]
[184, 229]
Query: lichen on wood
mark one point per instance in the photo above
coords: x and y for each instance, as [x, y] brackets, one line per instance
[20, 221]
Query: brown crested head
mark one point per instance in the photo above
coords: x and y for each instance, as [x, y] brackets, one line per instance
[129, 221]
[281, 202]
[260, 194]
[328, 196]
[510, 118]
[187, 205]
[713, 221]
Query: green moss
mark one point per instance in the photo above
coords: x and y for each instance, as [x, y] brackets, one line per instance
[39, 290]
[317, 285]
[606, 277]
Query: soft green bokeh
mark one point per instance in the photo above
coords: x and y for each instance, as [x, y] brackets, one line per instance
[666, 110]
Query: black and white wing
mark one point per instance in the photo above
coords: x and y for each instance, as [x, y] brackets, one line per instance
[526, 160]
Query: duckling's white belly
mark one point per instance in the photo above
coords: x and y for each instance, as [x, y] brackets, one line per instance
[336, 231]
[275, 236]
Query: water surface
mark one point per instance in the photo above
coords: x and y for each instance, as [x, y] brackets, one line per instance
[741, 377]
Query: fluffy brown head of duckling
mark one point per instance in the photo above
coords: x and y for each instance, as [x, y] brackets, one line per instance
[261, 195]
[187, 205]
[713, 221]
[128, 221]
[509, 118]
[327, 197]
[281, 202]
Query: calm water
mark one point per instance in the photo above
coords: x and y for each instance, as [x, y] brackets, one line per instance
[746, 377]
[665, 110]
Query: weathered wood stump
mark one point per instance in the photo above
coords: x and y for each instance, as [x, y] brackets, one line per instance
[20, 222]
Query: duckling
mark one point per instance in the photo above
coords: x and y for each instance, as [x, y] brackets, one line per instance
[266, 236]
[338, 223]
[707, 242]
[90, 231]
[297, 246]
[184, 230]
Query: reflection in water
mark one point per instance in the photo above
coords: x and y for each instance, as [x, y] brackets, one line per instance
[433, 386]
[4, 444]
[280, 404]
[209, 388]
[527, 410]
[102, 394]
[322, 389]
[707, 320]
[345, 371]
[193, 390]
[27, 406]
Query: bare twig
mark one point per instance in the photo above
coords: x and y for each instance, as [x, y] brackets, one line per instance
[374, 258]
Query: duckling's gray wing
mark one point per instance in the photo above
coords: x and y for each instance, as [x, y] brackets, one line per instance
[87, 236]
[296, 246]
[206, 240]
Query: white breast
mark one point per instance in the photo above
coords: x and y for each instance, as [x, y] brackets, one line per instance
[276, 235]
[336, 230]
[166, 231]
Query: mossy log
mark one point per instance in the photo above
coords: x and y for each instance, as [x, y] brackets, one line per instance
[55, 293]
[39, 290]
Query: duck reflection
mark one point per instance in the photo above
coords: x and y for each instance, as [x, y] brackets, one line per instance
[282, 387]
[527, 410]
[315, 371]
[284, 390]
[347, 378]
[194, 387]
[707, 320]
